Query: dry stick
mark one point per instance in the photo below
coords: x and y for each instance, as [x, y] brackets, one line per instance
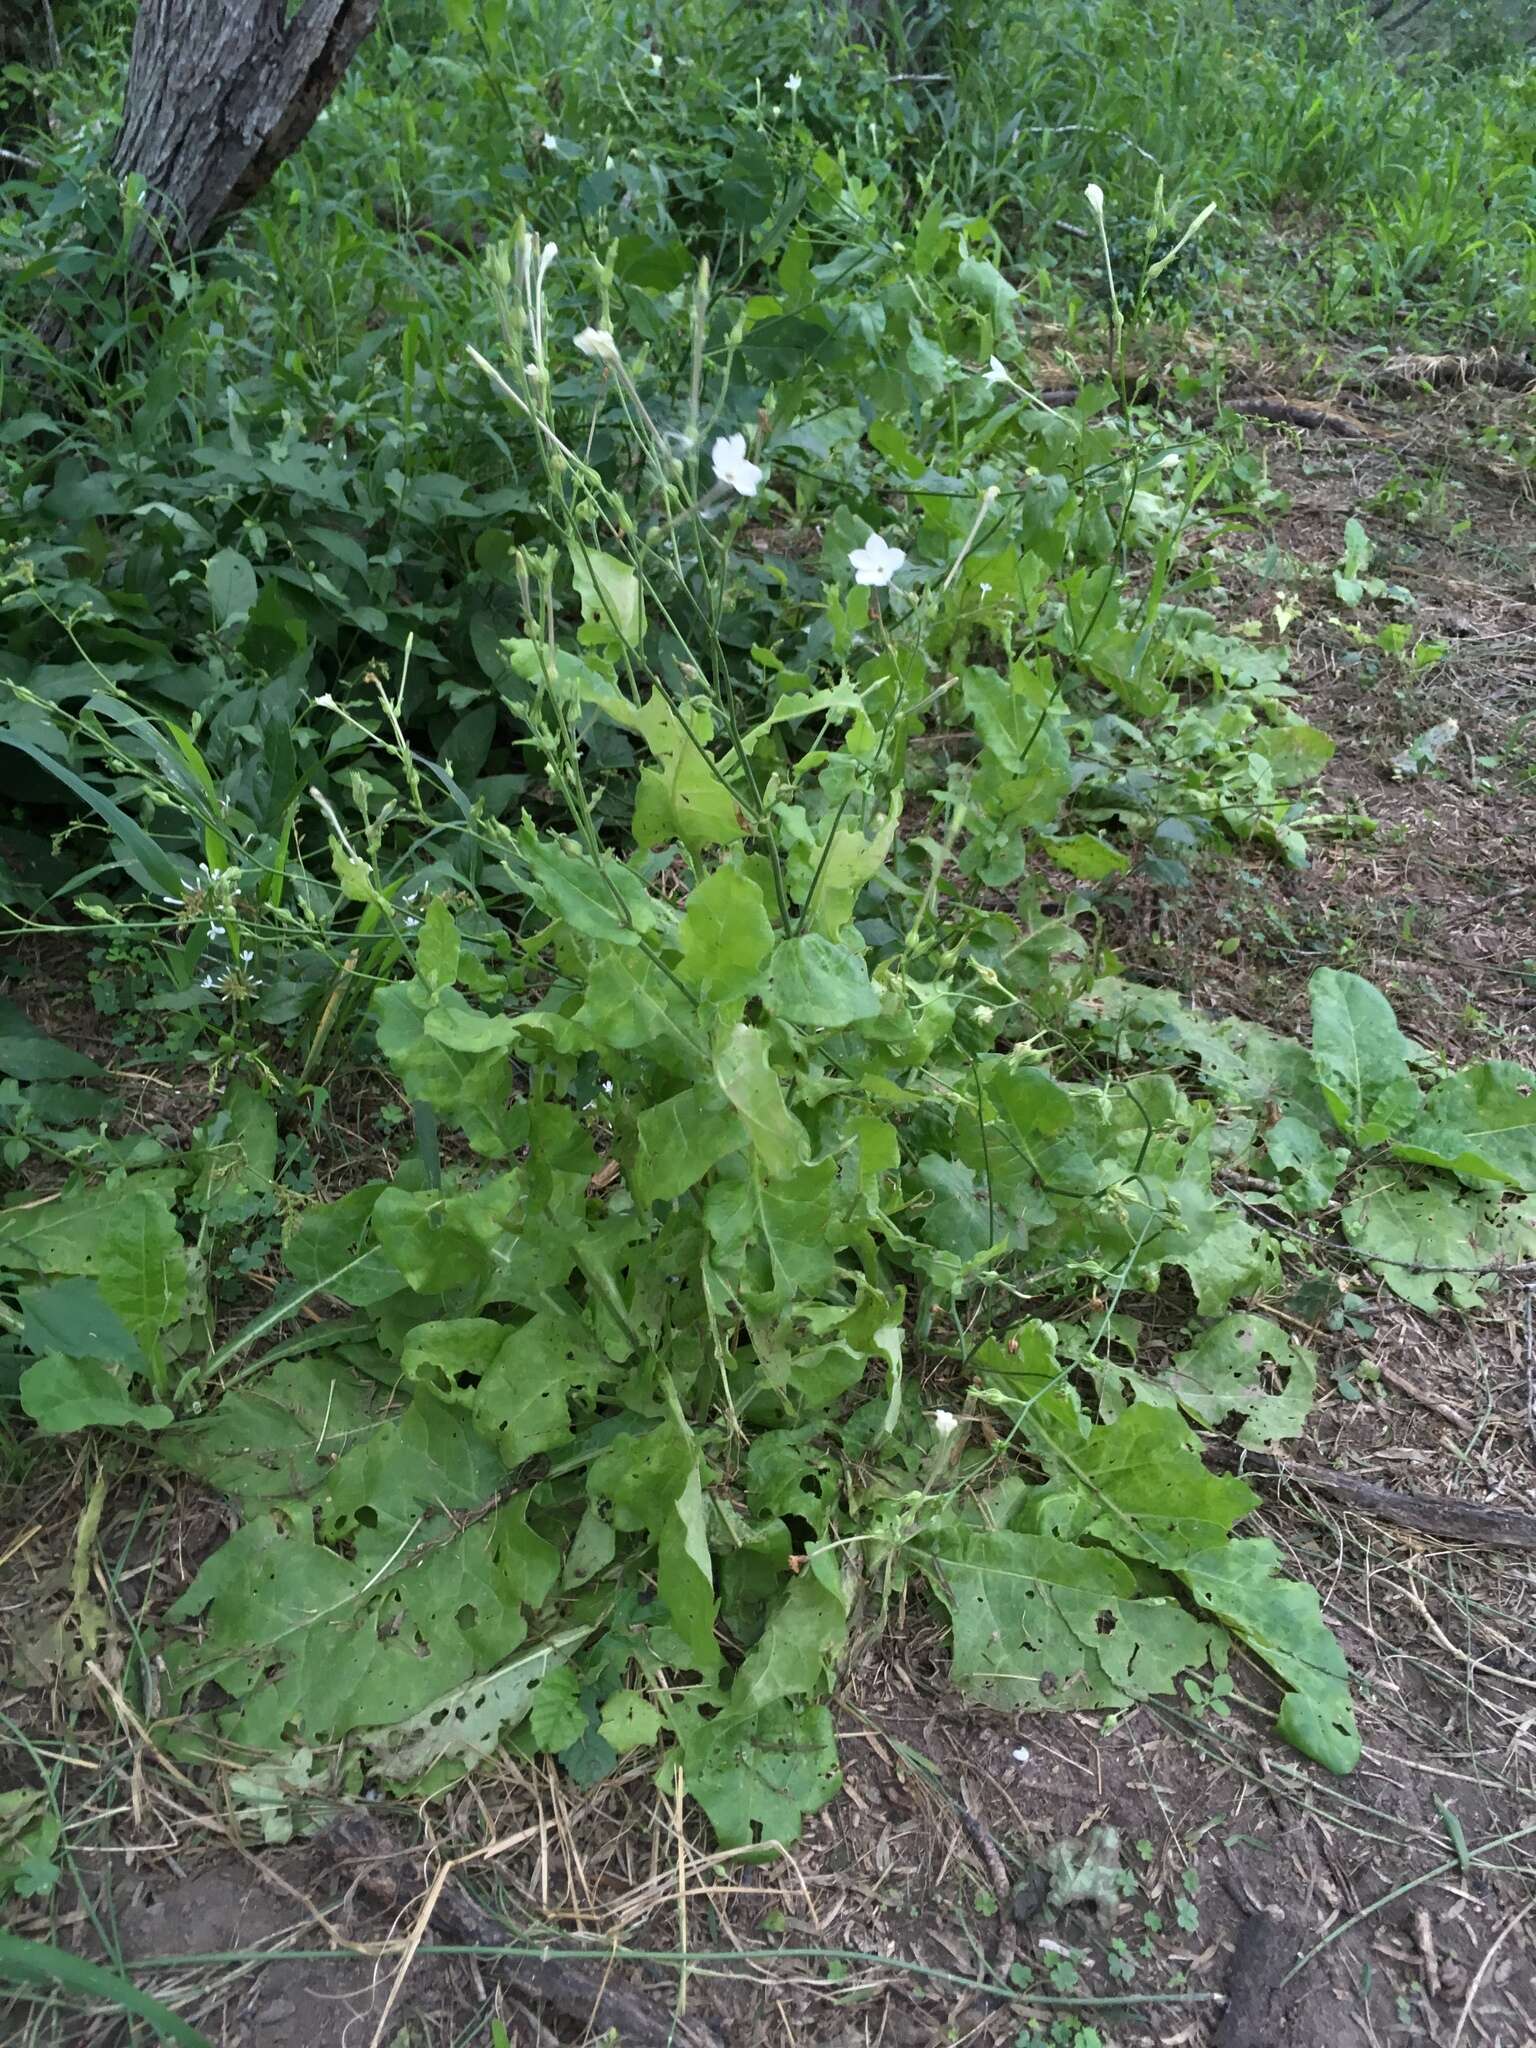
[1454, 1521]
[1401, 1891]
[997, 1876]
[1486, 1964]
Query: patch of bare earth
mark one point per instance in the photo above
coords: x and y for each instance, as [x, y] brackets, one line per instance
[1176, 1876]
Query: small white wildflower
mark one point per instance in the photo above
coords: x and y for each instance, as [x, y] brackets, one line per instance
[247, 956]
[599, 344]
[984, 1015]
[985, 589]
[996, 372]
[1094, 194]
[729, 456]
[792, 83]
[411, 923]
[215, 931]
[944, 1424]
[876, 562]
[325, 702]
[208, 981]
[1021, 1755]
[552, 144]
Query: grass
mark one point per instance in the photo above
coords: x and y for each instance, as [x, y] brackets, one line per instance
[576, 1062]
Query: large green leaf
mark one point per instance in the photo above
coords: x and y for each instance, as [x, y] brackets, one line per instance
[1282, 1623]
[757, 1779]
[1360, 1055]
[466, 1724]
[64, 1394]
[1044, 1625]
[725, 936]
[1479, 1124]
[679, 1140]
[818, 984]
[1245, 1365]
[747, 1079]
[1437, 1239]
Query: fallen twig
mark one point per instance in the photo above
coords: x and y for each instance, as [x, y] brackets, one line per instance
[1454, 1521]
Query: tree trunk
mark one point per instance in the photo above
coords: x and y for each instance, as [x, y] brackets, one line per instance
[219, 92]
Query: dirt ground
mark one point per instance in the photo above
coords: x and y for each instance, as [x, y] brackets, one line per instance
[1174, 1876]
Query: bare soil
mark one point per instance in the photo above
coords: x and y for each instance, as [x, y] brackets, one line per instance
[1243, 1898]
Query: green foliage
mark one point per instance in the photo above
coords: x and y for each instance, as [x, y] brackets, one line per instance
[701, 908]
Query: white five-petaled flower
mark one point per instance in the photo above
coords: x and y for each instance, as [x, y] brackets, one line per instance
[944, 1424]
[792, 83]
[599, 344]
[729, 456]
[552, 144]
[996, 372]
[1094, 194]
[876, 562]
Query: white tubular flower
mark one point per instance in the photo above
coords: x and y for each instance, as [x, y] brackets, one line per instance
[1094, 194]
[876, 562]
[944, 1424]
[552, 144]
[793, 83]
[729, 456]
[600, 345]
[996, 372]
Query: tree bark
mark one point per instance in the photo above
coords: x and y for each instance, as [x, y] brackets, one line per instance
[219, 93]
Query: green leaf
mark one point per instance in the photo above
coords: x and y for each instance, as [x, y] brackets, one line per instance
[818, 984]
[633, 1006]
[1479, 1124]
[143, 857]
[1432, 1240]
[1085, 855]
[465, 1725]
[437, 947]
[73, 1317]
[63, 1394]
[277, 1437]
[679, 1140]
[629, 1721]
[439, 1242]
[1012, 713]
[26, 1055]
[725, 936]
[746, 1076]
[600, 898]
[1295, 752]
[757, 1780]
[1229, 1372]
[797, 1652]
[557, 1717]
[1357, 1049]
[142, 1268]
[1044, 1625]
[1154, 1497]
[983, 285]
[654, 1484]
[232, 588]
[36, 1962]
[1281, 1623]
[686, 796]
[521, 1403]
[611, 596]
